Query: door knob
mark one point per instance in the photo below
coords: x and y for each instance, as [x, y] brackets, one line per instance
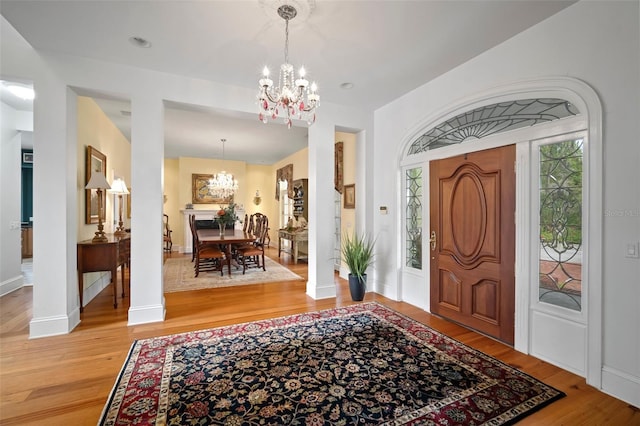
[433, 240]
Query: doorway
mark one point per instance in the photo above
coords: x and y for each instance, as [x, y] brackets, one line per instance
[535, 113]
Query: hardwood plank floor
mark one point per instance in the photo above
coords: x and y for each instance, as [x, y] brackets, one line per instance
[65, 380]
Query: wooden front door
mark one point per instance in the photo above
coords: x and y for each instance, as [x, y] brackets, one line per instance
[472, 199]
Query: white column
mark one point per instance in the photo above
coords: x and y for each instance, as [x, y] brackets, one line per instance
[320, 283]
[55, 289]
[147, 157]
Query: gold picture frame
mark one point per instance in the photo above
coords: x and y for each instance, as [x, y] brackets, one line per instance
[350, 196]
[200, 192]
[96, 163]
[338, 168]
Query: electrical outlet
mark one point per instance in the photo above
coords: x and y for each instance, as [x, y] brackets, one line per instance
[14, 225]
[633, 251]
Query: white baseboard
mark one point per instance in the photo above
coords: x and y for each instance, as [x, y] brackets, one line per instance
[53, 326]
[12, 284]
[621, 385]
[95, 288]
[317, 292]
[146, 314]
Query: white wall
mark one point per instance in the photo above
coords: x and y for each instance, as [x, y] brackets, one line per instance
[598, 43]
[10, 188]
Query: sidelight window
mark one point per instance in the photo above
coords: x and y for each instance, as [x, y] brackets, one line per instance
[560, 224]
[413, 182]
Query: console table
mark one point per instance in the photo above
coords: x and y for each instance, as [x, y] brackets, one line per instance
[96, 257]
[296, 237]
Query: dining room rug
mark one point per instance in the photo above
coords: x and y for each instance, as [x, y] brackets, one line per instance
[363, 364]
[179, 275]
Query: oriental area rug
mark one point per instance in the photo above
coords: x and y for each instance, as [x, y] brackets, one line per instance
[179, 275]
[364, 364]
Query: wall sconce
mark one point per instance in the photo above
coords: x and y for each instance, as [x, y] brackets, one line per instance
[257, 200]
[99, 181]
[119, 188]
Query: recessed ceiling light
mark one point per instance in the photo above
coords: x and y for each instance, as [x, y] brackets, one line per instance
[346, 86]
[140, 42]
[23, 92]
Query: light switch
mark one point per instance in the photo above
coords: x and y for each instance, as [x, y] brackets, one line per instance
[632, 251]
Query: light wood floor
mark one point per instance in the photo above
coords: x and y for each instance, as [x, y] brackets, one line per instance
[65, 380]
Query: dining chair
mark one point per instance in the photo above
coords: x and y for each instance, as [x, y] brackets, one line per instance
[208, 256]
[166, 237]
[245, 224]
[192, 227]
[252, 226]
[253, 253]
[267, 237]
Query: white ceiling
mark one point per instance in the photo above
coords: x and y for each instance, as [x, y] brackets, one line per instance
[384, 48]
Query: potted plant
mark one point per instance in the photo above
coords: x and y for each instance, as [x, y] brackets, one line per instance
[357, 253]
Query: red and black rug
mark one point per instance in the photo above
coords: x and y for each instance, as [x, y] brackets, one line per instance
[363, 364]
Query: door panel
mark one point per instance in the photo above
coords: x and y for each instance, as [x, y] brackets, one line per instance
[472, 265]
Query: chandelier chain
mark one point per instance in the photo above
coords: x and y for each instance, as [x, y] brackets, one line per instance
[286, 42]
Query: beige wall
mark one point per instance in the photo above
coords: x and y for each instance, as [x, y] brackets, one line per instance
[171, 192]
[261, 178]
[300, 161]
[251, 177]
[95, 129]
[348, 216]
[177, 184]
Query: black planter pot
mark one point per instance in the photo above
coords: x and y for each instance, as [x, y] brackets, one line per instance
[357, 287]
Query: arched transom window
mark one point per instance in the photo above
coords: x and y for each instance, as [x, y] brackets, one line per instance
[491, 119]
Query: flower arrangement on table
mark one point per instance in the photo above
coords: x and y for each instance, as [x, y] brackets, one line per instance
[227, 216]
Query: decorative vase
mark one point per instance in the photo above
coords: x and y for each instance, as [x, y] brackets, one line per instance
[221, 226]
[357, 287]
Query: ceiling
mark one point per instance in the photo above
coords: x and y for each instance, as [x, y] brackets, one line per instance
[383, 48]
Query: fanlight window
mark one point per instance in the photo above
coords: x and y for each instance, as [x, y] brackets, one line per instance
[491, 119]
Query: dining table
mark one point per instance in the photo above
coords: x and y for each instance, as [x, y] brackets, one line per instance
[226, 240]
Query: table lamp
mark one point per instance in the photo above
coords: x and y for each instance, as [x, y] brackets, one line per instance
[99, 181]
[119, 188]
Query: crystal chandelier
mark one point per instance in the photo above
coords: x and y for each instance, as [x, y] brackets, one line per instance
[223, 185]
[291, 98]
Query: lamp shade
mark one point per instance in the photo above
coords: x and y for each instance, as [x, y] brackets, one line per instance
[97, 181]
[119, 187]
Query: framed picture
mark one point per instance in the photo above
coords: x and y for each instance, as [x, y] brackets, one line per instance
[200, 192]
[96, 163]
[350, 196]
[338, 170]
